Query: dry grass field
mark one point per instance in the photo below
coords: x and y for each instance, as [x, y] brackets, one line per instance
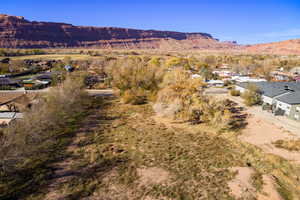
[122, 149]
[127, 152]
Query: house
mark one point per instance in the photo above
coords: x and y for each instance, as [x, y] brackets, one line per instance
[281, 98]
[8, 83]
[268, 91]
[244, 79]
[38, 82]
[216, 83]
[289, 104]
[7, 117]
[15, 102]
[10, 106]
[224, 73]
[28, 83]
[44, 77]
[35, 84]
[280, 76]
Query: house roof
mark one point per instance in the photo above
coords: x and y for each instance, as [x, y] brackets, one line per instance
[273, 89]
[7, 81]
[290, 98]
[215, 82]
[10, 115]
[44, 76]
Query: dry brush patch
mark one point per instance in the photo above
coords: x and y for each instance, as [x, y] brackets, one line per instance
[29, 145]
[118, 161]
[291, 145]
[132, 147]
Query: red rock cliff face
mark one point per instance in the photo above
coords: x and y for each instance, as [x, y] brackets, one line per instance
[16, 32]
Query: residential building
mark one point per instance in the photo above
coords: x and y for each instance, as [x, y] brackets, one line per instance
[216, 83]
[290, 104]
[281, 76]
[8, 83]
[245, 79]
[7, 117]
[280, 97]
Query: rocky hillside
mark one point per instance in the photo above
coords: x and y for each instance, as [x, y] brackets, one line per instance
[17, 32]
[286, 47]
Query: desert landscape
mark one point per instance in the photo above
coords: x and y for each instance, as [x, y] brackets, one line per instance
[107, 113]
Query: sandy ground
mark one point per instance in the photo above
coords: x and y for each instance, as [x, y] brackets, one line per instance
[152, 175]
[264, 128]
[240, 186]
[280, 121]
[269, 191]
[262, 133]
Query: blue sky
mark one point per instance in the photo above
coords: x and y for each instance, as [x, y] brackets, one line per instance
[246, 21]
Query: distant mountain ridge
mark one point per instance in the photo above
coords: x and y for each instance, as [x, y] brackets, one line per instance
[287, 47]
[17, 32]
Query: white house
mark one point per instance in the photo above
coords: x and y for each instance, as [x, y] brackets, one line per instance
[216, 83]
[244, 79]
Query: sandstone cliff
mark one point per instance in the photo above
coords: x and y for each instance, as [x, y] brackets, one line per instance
[17, 32]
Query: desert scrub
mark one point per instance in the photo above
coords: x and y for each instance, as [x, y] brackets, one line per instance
[134, 96]
[193, 163]
[30, 144]
[252, 96]
[291, 145]
[183, 98]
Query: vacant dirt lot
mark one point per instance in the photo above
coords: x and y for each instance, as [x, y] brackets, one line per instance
[261, 133]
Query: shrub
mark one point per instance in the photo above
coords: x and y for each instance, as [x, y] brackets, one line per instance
[28, 144]
[234, 92]
[135, 97]
[178, 62]
[252, 96]
[182, 98]
[135, 77]
[291, 145]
